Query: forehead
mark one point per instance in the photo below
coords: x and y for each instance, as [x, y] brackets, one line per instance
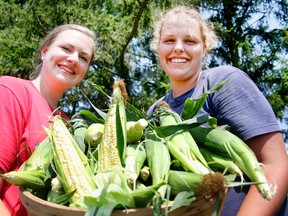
[75, 38]
[180, 23]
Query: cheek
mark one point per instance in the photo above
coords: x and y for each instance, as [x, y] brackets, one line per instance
[84, 68]
[165, 49]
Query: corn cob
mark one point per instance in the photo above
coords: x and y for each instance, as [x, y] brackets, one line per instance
[144, 173]
[182, 145]
[228, 144]
[33, 173]
[135, 130]
[42, 156]
[94, 134]
[113, 144]
[135, 158]
[158, 158]
[217, 162]
[183, 181]
[33, 179]
[71, 163]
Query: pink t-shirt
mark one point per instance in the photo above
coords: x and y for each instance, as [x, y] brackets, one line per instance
[23, 113]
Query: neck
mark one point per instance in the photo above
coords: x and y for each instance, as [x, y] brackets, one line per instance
[51, 96]
[181, 87]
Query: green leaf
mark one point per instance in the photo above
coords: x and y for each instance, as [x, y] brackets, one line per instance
[164, 131]
[59, 197]
[104, 210]
[193, 106]
[90, 117]
[184, 198]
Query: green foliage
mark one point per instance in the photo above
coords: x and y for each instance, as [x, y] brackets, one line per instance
[124, 27]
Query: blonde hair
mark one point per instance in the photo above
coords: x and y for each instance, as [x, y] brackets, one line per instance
[209, 37]
[50, 38]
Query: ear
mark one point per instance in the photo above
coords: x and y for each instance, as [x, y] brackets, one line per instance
[204, 50]
[43, 52]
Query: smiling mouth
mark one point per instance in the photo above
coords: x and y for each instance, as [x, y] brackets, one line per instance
[67, 70]
[178, 60]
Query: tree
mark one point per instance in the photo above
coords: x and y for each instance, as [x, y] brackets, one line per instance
[124, 30]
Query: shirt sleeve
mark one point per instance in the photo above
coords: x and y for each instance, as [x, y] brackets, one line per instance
[242, 106]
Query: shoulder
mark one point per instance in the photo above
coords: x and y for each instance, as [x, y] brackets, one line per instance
[223, 72]
[19, 91]
[14, 83]
[236, 78]
[153, 106]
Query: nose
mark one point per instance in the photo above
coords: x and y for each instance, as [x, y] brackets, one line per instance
[178, 46]
[73, 58]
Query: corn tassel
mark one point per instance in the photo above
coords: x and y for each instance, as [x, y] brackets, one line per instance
[226, 143]
[113, 144]
[71, 163]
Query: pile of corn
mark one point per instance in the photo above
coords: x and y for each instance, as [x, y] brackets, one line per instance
[114, 163]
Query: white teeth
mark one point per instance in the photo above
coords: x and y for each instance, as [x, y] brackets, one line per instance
[67, 69]
[178, 60]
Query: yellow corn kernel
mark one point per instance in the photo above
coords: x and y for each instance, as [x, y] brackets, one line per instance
[71, 163]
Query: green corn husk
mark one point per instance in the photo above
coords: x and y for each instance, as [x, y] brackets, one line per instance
[221, 163]
[41, 157]
[71, 163]
[94, 134]
[158, 158]
[35, 173]
[33, 179]
[134, 161]
[229, 145]
[112, 148]
[135, 130]
[183, 181]
[181, 144]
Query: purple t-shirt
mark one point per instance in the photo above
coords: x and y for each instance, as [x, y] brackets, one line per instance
[239, 104]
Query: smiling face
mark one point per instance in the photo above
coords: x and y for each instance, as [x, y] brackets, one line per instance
[66, 60]
[181, 48]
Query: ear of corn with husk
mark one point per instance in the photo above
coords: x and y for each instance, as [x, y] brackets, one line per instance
[182, 145]
[221, 163]
[34, 172]
[134, 161]
[71, 163]
[113, 145]
[158, 159]
[135, 130]
[231, 146]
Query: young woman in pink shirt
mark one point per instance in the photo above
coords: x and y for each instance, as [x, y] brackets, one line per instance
[26, 105]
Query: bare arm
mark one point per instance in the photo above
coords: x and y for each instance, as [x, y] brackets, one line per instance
[4, 211]
[270, 150]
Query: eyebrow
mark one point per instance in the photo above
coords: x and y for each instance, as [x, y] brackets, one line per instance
[69, 44]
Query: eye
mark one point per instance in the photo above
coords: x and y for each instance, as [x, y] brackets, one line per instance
[84, 58]
[190, 41]
[66, 48]
[168, 40]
